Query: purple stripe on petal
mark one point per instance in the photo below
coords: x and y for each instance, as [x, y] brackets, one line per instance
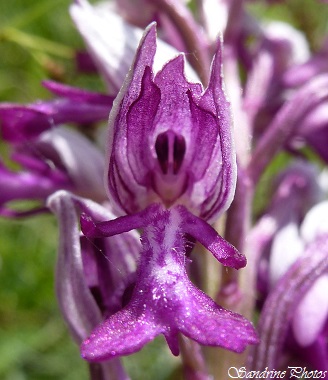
[215, 101]
[119, 172]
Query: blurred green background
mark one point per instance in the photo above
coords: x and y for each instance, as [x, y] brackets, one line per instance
[37, 41]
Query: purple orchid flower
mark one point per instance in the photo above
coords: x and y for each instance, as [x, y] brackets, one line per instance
[49, 163]
[188, 156]
[95, 23]
[296, 191]
[20, 123]
[171, 165]
[28, 185]
[286, 246]
[290, 296]
[130, 11]
[304, 71]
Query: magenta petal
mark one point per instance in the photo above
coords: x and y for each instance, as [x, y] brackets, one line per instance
[116, 226]
[78, 94]
[27, 185]
[222, 250]
[221, 186]
[211, 325]
[22, 122]
[121, 334]
[121, 182]
[193, 314]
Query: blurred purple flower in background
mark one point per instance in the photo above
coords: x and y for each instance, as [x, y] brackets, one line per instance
[289, 235]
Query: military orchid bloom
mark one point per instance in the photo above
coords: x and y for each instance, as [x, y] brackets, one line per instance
[171, 167]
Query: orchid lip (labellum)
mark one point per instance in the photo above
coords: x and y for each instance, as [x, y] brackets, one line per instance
[170, 140]
[164, 301]
[171, 165]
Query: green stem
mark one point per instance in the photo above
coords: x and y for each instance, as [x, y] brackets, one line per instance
[29, 41]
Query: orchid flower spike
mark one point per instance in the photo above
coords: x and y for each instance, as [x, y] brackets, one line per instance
[292, 239]
[171, 167]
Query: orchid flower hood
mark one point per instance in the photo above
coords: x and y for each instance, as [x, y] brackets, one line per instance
[170, 141]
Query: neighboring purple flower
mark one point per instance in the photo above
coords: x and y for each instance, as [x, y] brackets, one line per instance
[171, 165]
[313, 126]
[281, 74]
[302, 72]
[286, 243]
[28, 185]
[311, 314]
[96, 23]
[51, 162]
[285, 305]
[20, 123]
[296, 190]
